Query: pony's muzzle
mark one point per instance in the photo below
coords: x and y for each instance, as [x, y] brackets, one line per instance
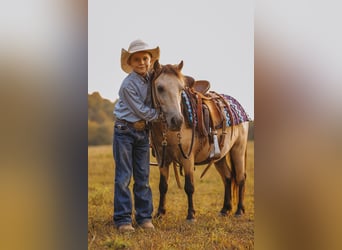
[176, 123]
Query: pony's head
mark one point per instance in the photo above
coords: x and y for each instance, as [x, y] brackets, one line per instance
[167, 85]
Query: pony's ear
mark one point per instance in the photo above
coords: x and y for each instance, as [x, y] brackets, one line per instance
[156, 65]
[180, 65]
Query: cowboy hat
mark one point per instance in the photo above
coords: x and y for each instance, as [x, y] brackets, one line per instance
[137, 46]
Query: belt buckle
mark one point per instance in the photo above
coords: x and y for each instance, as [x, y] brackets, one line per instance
[139, 125]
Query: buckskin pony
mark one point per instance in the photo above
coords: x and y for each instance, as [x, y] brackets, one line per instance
[197, 128]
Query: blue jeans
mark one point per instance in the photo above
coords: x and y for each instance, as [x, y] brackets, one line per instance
[131, 152]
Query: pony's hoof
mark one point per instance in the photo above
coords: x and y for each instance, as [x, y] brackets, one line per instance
[238, 213]
[191, 221]
[223, 214]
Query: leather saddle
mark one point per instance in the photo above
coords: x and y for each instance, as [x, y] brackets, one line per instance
[211, 112]
[211, 107]
[201, 86]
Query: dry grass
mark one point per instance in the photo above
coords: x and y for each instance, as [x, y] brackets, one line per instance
[210, 231]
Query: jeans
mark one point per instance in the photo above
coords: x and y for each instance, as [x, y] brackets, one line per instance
[131, 152]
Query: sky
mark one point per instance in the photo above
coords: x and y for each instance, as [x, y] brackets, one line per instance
[215, 40]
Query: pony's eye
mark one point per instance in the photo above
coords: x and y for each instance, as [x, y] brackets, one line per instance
[160, 89]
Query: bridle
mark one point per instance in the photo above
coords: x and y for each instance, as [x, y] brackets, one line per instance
[162, 120]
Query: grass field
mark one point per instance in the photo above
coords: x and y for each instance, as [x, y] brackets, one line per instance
[210, 231]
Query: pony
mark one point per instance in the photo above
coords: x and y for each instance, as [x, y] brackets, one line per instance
[176, 138]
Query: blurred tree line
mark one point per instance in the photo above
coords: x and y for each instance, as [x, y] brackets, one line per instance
[100, 120]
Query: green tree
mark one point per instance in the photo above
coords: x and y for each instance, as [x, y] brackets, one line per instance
[100, 120]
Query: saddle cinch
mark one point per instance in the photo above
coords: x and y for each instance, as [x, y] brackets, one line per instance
[211, 111]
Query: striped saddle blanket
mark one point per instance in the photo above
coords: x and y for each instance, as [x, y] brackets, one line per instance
[238, 113]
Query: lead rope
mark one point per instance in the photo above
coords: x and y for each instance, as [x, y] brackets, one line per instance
[164, 142]
[162, 118]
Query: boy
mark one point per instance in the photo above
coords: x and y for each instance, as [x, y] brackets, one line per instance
[131, 148]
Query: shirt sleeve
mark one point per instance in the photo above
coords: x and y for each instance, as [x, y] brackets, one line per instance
[136, 103]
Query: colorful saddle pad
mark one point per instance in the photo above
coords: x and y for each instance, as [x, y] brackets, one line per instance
[238, 112]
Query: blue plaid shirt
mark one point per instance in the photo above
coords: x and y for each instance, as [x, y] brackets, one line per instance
[135, 101]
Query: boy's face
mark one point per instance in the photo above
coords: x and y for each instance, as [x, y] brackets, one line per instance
[140, 62]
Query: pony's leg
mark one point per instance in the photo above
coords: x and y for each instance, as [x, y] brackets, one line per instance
[238, 154]
[224, 170]
[241, 208]
[189, 187]
[163, 187]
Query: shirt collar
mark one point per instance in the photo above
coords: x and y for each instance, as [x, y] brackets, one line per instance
[145, 79]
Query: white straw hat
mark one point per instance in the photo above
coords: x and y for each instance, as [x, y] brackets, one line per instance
[137, 46]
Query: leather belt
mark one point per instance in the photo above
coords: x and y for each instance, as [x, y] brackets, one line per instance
[139, 125]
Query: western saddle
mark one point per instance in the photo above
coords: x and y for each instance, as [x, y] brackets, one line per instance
[211, 111]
